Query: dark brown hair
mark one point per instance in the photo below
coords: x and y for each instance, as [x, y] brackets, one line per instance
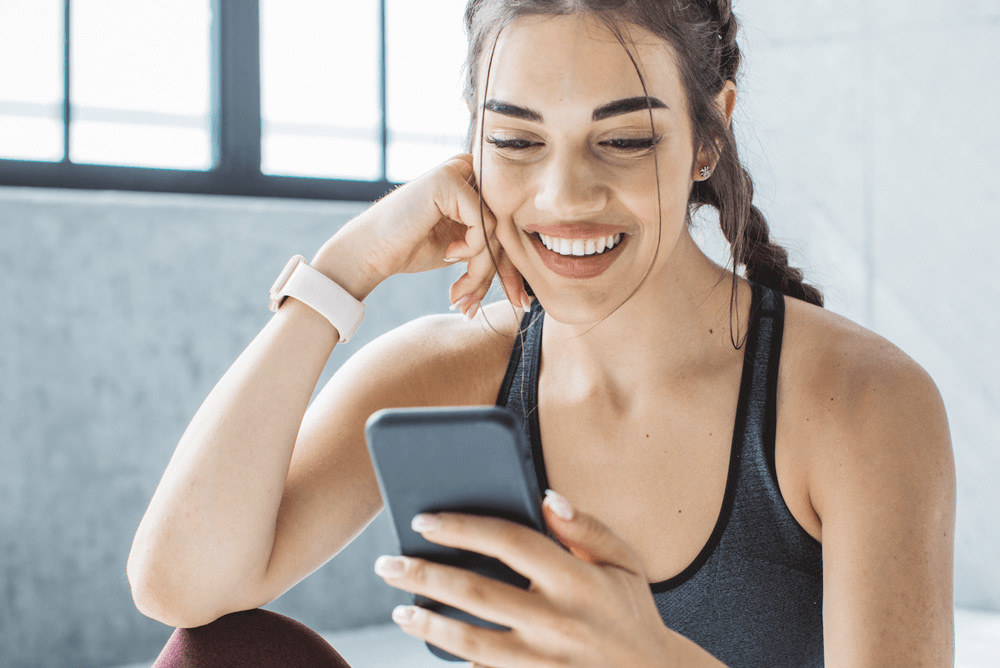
[703, 35]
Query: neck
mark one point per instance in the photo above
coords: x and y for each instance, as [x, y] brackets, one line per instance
[676, 325]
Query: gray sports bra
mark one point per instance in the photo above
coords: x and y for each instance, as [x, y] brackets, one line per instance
[754, 594]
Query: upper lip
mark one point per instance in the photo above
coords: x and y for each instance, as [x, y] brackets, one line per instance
[574, 230]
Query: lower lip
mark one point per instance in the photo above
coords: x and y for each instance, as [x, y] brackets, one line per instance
[577, 266]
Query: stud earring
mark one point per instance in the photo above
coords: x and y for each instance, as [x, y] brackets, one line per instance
[706, 172]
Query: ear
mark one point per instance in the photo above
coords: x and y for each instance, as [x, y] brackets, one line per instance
[726, 101]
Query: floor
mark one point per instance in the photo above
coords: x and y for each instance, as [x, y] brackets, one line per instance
[977, 645]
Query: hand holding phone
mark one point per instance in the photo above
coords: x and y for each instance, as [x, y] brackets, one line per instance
[470, 459]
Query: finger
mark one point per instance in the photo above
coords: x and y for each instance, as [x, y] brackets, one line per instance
[525, 550]
[462, 203]
[463, 163]
[471, 243]
[586, 536]
[481, 272]
[484, 597]
[473, 643]
[513, 284]
[463, 294]
[471, 288]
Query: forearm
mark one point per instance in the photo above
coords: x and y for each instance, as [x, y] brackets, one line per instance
[207, 535]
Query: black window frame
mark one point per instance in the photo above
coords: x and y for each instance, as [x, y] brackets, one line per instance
[235, 134]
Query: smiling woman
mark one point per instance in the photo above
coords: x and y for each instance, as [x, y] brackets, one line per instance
[744, 478]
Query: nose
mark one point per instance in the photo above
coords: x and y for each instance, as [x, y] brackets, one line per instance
[568, 189]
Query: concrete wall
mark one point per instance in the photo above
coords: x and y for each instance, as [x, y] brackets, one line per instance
[869, 129]
[106, 352]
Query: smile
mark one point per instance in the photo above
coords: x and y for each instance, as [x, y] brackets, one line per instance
[579, 258]
[580, 247]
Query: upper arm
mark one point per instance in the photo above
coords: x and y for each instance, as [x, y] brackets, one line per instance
[884, 489]
[331, 493]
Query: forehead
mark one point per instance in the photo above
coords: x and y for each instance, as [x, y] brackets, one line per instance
[574, 59]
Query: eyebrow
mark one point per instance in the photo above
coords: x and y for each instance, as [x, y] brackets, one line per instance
[616, 108]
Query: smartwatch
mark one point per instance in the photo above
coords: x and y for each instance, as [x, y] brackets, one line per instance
[314, 288]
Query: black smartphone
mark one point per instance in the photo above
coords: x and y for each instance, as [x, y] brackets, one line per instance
[468, 459]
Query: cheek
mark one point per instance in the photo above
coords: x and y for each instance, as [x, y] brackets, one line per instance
[504, 187]
[673, 185]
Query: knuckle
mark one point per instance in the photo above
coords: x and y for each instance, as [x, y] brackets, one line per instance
[571, 583]
[473, 589]
[469, 643]
[454, 167]
[512, 536]
[564, 630]
[417, 570]
[463, 639]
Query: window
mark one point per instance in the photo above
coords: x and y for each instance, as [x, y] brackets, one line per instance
[139, 83]
[294, 98]
[31, 86]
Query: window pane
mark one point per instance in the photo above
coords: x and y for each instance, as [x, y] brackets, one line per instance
[425, 48]
[31, 71]
[140, 83]
[320, 88]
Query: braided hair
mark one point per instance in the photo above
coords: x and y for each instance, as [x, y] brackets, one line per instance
[703, 34]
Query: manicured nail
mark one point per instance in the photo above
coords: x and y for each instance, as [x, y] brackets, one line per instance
[525, 301]
[425, 522]
[404, 614]
[471, 313]
[457, 305]
[559, 505]
[452, 259]
[389, 567]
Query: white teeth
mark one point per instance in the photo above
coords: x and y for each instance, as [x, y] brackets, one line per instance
[580, 247]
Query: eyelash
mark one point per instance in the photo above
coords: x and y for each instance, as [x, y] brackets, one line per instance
[624, 145]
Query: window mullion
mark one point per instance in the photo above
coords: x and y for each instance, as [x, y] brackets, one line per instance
[384, 128]
[236, 124]
[66, 109]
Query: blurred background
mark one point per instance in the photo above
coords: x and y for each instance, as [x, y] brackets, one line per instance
[160, 162]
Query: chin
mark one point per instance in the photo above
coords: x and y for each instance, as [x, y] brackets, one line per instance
[578, 309]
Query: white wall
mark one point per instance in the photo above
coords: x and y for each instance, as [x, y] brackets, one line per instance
[871, 130]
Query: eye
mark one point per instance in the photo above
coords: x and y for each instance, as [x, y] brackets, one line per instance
[632, 145]
[516, 144]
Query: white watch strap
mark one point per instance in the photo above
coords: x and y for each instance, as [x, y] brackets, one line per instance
[314, 288]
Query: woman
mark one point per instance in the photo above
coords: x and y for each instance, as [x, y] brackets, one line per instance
[719, 509]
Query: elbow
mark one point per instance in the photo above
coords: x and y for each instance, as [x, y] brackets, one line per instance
[185, 600]
[158, 597]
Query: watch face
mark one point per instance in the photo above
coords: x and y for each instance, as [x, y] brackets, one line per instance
[279, 283]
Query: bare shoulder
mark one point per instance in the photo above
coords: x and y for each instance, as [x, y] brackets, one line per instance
[845, 370]
[862, 404]
[441, 359]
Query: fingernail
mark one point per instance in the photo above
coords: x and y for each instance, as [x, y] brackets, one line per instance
[389, 567]
[471, 313]
[525, 301]
[425, 522]
[452, 259]
[404, 614]
[458, 304]
[559, 505]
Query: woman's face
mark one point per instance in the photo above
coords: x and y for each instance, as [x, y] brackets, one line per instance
[567, 161]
